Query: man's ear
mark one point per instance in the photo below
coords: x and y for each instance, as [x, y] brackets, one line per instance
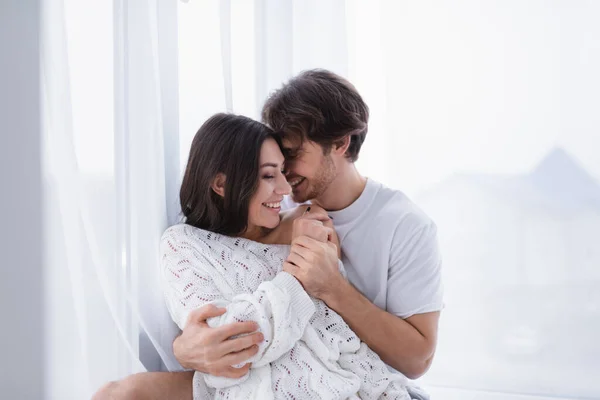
[342, 145]
[218, 184]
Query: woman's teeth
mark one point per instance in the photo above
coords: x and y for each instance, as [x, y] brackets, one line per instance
[295, 182]
[272, 205]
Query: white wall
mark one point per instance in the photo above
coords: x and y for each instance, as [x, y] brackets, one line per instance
[22, 331]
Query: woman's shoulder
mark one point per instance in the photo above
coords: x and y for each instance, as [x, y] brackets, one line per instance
[188, 236]
[182, 231]
[189, 231]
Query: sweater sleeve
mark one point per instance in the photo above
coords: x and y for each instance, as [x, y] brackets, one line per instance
[281, 307]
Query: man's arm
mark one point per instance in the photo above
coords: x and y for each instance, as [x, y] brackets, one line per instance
[408, 345]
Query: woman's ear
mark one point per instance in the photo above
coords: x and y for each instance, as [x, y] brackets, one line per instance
[218, 185]
[342, 145]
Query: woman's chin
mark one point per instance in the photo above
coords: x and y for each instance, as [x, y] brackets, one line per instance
[272, 222]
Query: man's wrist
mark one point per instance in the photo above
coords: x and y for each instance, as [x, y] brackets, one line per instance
[177, 352]
[339, 290]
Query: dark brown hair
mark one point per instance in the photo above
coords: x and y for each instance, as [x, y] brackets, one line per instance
[228, 144]
[320, 106]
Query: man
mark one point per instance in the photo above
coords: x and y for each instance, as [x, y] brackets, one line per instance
[393, 295]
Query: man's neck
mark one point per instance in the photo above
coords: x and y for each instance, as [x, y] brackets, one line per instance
[345, 189]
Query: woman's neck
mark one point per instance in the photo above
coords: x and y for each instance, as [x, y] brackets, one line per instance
[281, 234]
[254, 233]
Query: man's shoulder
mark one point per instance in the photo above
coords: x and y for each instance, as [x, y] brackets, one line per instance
[394, 208]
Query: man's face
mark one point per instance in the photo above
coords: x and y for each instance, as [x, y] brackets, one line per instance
[309, 171]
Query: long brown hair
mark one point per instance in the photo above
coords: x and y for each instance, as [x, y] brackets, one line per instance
[228, 144]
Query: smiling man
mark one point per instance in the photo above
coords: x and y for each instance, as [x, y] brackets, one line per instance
[393, 296]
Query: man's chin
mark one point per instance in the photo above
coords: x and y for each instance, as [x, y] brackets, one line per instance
[299, 198]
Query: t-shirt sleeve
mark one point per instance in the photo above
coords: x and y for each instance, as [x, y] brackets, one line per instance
[415, 276]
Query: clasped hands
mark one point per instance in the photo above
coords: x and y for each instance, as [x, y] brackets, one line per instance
[315, 252]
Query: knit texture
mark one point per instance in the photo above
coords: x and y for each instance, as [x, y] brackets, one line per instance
[309, 352]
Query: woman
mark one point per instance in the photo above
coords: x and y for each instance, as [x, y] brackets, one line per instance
[230, 252]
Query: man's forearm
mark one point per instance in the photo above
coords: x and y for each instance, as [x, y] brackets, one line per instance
[396, 341]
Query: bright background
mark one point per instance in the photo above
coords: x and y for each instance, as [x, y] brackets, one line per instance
[485, 113]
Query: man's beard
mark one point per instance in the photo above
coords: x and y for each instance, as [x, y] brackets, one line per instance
[319, 184]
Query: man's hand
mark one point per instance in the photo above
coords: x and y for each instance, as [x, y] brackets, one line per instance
[315, 265]
[316, 224]
[210, 350]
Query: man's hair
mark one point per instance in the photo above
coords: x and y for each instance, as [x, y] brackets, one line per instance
[320, 106]
[231, 145]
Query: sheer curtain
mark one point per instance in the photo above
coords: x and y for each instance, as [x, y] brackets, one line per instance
[110, 149]
[484, 113]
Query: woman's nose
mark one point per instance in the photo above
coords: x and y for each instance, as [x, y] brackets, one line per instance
[283, 187]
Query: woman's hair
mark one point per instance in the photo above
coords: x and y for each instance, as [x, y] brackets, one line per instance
[320, 106]
[231, 145]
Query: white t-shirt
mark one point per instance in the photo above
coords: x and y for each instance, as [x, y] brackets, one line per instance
[390, 251]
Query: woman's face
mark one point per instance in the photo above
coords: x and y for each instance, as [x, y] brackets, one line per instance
[265, 204]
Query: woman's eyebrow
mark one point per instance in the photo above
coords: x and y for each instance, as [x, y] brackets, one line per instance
[271, 164]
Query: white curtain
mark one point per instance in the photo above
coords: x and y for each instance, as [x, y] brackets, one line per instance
[110, 147]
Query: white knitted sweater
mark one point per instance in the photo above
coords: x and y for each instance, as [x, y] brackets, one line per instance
[309, 352]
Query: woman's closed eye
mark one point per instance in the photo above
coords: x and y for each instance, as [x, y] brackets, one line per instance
[271, 176]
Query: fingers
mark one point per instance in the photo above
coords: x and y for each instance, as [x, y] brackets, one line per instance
[328, 224]
[317, 216]
[309, 243]
[315, 209]
[319, 232]
[335, 246]
[237, 328]
[311, 228]
[296, 260]
[330, 234]
[241, 343]
[291, 268]
[299, 253]
[240, 356]
[236, 373]
[205, 312]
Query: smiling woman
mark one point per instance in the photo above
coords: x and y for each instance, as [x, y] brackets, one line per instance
[247, 184]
